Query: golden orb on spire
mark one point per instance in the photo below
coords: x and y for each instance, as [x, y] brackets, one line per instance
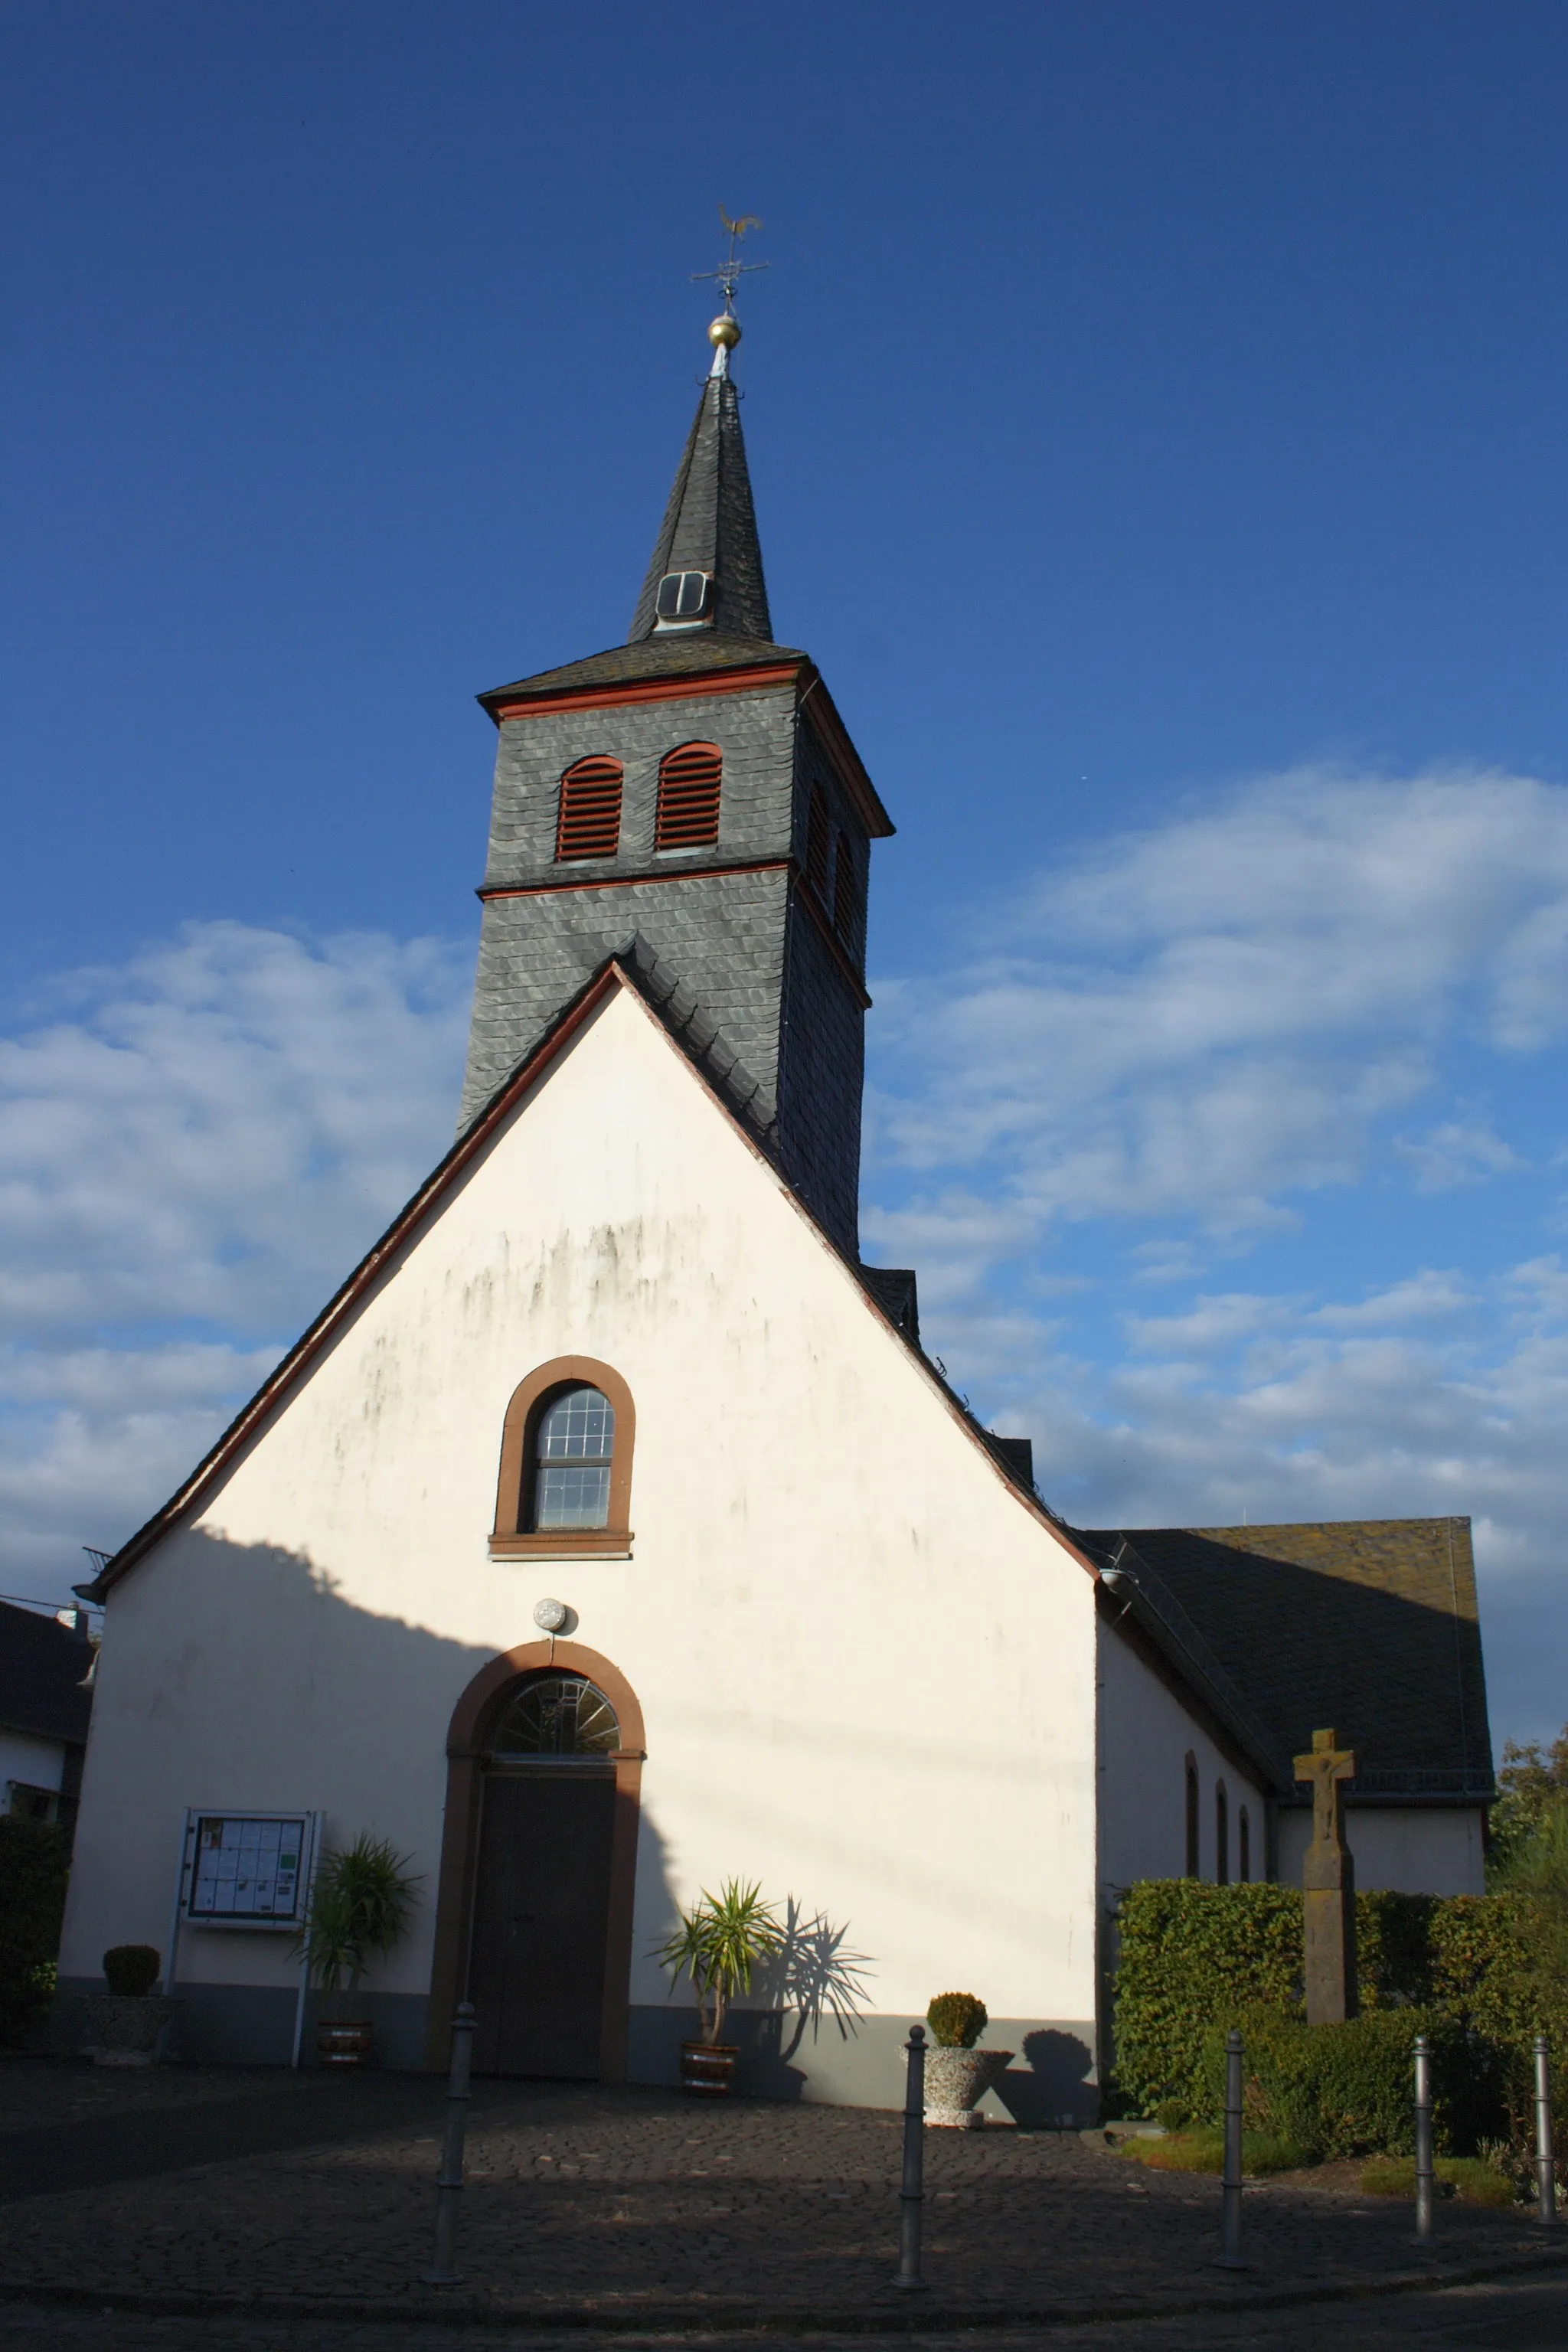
[725, 332]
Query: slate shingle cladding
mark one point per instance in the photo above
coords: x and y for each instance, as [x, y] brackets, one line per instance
[763, 982]
[727, 924]
[708, 525]
[1368, 1626]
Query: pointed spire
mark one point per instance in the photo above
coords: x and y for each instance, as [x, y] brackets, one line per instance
[710, 526]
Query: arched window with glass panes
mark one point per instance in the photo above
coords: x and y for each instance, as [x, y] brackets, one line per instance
[566, 1462]
[571, 1458]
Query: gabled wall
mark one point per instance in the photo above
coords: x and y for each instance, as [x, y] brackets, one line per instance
[1403, 1849]
[867, 1669]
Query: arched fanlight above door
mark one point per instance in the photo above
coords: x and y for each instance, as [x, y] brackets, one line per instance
[556, 1716]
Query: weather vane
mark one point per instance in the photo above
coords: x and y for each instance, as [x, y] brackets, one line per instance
[732, 269]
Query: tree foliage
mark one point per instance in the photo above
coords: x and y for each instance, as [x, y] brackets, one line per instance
[35, 1862]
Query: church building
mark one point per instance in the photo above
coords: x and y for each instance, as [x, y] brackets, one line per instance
[611, 1535]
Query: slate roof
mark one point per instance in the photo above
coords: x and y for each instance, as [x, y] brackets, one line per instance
[680, 653]
[709, 524]
[42, 1665]
[1368, 1626]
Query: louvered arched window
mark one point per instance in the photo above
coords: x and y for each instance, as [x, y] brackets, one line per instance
[817, 837]
[1221, 1834]
[689, 780]
[1191, 1788]
[588, 822]
[844, 888]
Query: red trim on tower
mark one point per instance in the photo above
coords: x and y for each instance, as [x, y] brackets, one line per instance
[631, 881]
[649, 689]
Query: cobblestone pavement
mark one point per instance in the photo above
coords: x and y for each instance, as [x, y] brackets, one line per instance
[629, 2205]
[1529, 2316]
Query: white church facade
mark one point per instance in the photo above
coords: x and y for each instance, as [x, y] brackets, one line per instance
[610, 1534]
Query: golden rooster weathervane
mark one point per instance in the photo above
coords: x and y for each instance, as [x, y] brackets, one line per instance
[732, 269]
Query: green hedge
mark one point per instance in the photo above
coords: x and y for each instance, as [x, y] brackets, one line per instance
[33, 1860]
[1197, 1959]
[1346, 2090]
[1196, 1955]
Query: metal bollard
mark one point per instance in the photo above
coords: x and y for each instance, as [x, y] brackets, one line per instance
[911, 2195]
[1545, 2155]
[1229, 2255]
[450, 2180]
[1426, 2185]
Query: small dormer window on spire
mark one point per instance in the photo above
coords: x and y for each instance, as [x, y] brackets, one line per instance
[682, 599]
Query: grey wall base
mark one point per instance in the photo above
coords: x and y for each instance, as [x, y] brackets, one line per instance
[253, 2025]
[1051, 2081]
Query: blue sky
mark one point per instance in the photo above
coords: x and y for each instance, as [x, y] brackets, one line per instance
[1155, 415]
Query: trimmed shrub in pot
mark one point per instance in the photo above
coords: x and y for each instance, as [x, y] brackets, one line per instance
[957, 2074]
[720, 1944]
[132, 1970]
[361, 1904]
[126, 2025]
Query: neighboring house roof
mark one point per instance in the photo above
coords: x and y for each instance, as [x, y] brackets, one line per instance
[43, 1665]
[1367, 1625]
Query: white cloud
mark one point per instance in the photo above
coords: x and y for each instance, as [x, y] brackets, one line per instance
[1455, 1153]
[1205, 1027]
[194, 1148]
[1213, 1019]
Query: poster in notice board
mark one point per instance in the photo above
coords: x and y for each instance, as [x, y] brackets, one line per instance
[248, 1869]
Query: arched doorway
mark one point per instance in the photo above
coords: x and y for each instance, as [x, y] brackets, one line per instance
[541, 1896]
[534, 1914]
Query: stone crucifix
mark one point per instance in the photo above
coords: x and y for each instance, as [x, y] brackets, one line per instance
[1328, 1885]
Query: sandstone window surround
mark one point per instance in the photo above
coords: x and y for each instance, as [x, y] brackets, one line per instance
[514, 1535]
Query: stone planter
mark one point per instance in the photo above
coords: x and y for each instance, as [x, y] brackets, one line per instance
[708, 2068]
[955, 2079]
[125, 2028]
[343, 2042]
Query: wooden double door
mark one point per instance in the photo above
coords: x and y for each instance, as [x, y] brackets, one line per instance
[541, 1912]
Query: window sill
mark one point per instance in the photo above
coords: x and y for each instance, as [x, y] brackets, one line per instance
[565, 1543]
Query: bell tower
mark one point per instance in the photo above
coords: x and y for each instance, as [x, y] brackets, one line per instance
[691, 801]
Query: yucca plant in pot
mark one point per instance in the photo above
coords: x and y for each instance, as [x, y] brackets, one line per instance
[957, 2074]
[720, 1944]
[361, 1904]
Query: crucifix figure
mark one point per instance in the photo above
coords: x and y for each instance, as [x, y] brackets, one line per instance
[1327, 1885]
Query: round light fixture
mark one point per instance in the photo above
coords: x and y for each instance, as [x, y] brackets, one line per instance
[550, 1615]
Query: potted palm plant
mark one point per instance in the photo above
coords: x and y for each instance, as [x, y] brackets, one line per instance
[360, 1909]
[719, 1945]
[957, 2074]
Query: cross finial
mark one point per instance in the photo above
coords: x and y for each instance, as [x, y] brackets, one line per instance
[725, 332]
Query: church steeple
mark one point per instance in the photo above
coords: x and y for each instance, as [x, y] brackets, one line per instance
[707, 567]
[690, 802]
